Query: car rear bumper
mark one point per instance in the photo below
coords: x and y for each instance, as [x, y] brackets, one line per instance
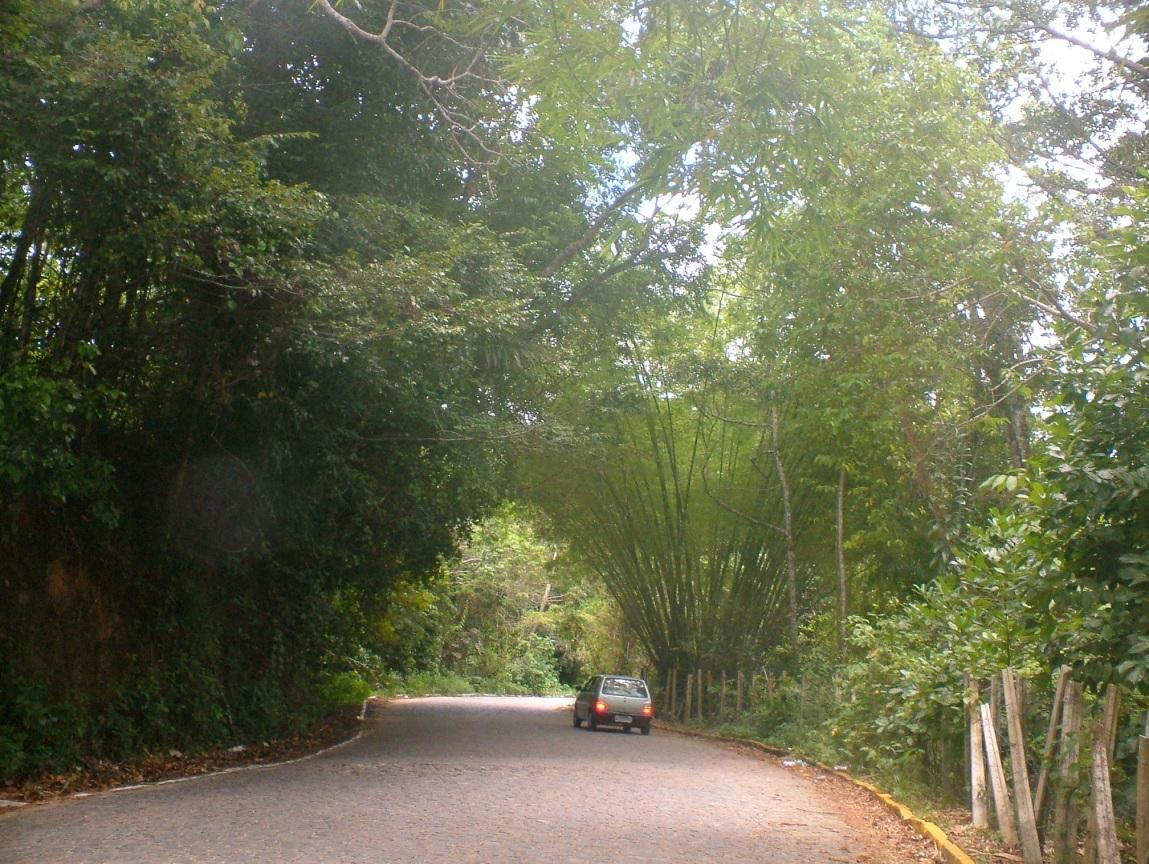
[622, 720]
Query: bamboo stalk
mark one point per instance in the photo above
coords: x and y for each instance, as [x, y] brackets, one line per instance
[1063, 827]
[689, 692]
[1039, 798]
[1105, 839]
[738, 697]
[1006, 825]
[977, 787]
[1027, 824]
[788, 535]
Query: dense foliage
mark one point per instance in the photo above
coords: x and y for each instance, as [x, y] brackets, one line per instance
[251, 372]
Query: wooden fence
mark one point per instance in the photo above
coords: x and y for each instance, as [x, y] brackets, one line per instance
[706, 696]
[1044, 818]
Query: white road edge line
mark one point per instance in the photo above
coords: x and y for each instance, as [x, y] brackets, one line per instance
[238, 768]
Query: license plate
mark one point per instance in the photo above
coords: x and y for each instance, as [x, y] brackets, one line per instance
[622, 718]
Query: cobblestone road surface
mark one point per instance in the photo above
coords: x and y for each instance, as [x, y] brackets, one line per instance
[479, 779]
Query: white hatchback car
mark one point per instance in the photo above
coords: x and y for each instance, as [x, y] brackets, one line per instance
[614, 700]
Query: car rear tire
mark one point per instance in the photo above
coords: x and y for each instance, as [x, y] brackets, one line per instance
[591, 723]
[577, 722]
[645, 730]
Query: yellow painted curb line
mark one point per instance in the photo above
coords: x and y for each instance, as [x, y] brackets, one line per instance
[950, 852]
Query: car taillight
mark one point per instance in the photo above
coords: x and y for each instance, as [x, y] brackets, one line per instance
[647, 710]
[600, 707]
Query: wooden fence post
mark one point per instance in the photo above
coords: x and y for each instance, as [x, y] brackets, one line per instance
[1110, 718]
[722, 699]
[1026, 823]
[699, 707]
[1063, 827]
[1042, 794]
[995, 700]
[689, 694]
[1105, 839]
[1143, 796]
[709, 696]
[967, 763]
[1001, 805]
[1108, 731]
[977, 788]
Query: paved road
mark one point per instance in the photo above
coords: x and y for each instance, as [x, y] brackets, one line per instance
[464, 780]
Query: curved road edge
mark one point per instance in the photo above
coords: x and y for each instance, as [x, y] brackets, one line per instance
[950, 852]
[7, 805]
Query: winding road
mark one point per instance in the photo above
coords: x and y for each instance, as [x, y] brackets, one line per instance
[475, 779]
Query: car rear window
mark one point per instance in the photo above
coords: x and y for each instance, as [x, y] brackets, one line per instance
[624, 687]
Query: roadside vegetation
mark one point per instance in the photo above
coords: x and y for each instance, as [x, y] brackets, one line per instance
[419, 347]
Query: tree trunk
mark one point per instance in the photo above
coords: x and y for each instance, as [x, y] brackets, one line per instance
[12, 279]
[843, 652]
[28, 315]
[788, 534]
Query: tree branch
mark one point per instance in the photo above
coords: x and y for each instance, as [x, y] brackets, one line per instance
[1057, 310]
[1107, 54]
[580, 243]
[461, 126]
